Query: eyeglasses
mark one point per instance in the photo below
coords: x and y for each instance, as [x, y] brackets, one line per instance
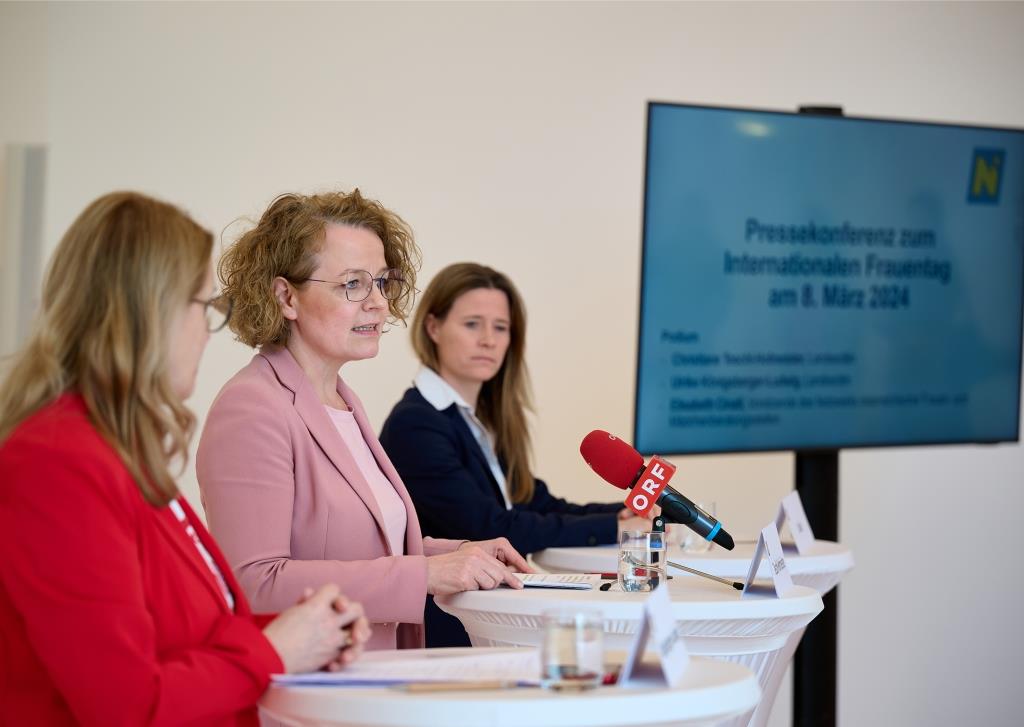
[217, 311]
[357, 285]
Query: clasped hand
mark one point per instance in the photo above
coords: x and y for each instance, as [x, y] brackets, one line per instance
[324, 630]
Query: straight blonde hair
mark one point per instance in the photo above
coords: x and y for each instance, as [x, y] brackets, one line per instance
[505, 399]
[112, 289]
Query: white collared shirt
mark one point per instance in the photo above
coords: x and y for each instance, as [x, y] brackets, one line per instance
[179, 513]
[440, 394]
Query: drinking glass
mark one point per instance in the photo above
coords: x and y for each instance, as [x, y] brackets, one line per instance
[641, 560]
[691, 542]
[572, 650]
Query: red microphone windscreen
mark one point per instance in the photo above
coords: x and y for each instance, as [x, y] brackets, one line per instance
[611, 458]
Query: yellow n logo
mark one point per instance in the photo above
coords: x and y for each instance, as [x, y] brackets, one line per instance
[986, 173]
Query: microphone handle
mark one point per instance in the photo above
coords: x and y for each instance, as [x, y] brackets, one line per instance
[679, 509]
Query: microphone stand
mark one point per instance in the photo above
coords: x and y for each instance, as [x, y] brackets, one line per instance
[658, 526]
[735, 584]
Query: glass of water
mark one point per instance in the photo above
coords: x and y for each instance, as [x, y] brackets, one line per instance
[641, 560]
[572, 650]
[691, 542]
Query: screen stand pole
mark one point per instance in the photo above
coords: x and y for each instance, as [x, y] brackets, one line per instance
[817, 481]
[814, 667]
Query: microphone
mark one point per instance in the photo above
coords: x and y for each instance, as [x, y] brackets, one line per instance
[619, 464]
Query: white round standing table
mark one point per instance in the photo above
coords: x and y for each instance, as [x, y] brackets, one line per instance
[713, 619]
[821, 569]
[711, 691]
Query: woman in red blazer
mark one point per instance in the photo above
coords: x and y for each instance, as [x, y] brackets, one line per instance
[116, 606]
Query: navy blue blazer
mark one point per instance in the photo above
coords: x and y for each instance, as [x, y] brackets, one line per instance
[456, 495]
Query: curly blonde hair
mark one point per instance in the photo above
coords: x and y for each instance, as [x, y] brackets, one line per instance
[285, 243]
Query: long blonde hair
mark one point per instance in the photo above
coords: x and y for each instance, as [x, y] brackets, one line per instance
[505, 399]
[113, 287]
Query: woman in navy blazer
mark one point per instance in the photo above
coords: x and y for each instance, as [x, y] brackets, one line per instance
[459, 438]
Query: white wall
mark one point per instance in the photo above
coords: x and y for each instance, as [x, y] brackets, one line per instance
[24, 65]
[23, 74]
[513, 134]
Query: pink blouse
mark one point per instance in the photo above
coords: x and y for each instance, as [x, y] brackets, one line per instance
[391, 505]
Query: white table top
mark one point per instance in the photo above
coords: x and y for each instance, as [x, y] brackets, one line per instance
[710, 691]
[692, 599]
[821, 569]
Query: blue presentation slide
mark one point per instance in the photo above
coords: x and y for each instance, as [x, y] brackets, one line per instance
[823, 282]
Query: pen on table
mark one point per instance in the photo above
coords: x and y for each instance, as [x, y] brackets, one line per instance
[615, 576]
[420, 687]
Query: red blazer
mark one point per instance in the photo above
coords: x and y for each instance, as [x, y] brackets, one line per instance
[108, 614]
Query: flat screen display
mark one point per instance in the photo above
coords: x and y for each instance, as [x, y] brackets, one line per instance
[819, 282]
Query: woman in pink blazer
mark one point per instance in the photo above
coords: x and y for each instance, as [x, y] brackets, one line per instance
[296, 487]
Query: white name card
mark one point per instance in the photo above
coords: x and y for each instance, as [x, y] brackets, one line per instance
[791, 510]
[768, 544]
[659, 628]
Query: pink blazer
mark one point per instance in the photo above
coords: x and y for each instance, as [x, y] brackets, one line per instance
[291, 510]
